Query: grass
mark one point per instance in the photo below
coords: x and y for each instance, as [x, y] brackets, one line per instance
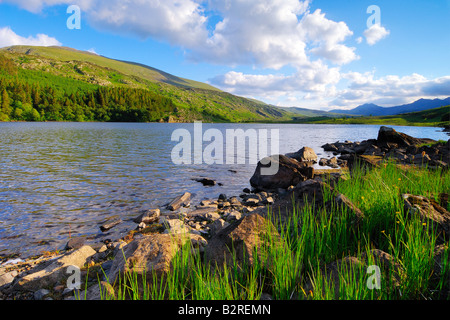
[294, 265]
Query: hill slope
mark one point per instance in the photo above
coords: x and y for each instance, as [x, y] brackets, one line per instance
[76, 79]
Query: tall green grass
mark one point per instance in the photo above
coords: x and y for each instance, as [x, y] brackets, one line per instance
[294, 264]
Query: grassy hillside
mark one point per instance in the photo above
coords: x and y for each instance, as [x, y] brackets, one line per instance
[434, 117]
[75, 78]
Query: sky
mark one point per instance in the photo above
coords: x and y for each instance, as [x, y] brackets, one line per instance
[316, 54]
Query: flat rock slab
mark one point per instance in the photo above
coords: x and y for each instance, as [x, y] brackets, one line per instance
[183, 200]
[56, 271]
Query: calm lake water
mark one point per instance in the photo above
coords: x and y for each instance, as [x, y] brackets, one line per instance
[60, 180]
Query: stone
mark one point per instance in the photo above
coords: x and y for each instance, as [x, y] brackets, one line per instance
[7, 278]
[75, 243]
[290, 172]
[330, 147]
[305, 154]
[150, 254]
[233, 216]
[344, 202]
[56, 271]
[243, 237]
[40, 294]
[110, 224]
[206, 181]
[182, 200]
[175, 226]
[148, 217]
[223, 197]
[251, 202]
[436, 217]
[323, 162]
[389, 137]
[217, 226]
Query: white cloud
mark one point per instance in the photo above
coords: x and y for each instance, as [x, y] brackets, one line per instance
[389, 90]
[263, 33]
[375, 33]
[328, 36]
[9, 38]
[314, 78]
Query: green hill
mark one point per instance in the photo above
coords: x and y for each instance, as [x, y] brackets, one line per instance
[64, 84]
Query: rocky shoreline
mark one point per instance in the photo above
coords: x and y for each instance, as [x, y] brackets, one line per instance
[213, 224]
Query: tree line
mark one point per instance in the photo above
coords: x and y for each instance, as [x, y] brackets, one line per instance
[25, 100]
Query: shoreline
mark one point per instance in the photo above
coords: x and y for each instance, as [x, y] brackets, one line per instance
[209, 218]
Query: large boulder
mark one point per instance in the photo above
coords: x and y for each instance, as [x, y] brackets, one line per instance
[152, 254]
[56, 271]
[389, 137]
[290, 172]
[241, 237]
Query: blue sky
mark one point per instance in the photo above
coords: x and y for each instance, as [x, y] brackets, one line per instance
[317, 54]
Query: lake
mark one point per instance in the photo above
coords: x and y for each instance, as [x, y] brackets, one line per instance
[61, 180]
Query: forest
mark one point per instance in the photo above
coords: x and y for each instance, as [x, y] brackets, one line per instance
[30, 95]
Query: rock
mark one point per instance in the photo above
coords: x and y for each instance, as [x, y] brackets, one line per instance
[111, 224]
[330, 147]
[56, 271]
[217, 226]
[343, 202]
[175, 226]
[290, 172]
[436, 217]
[223, 197]
[75, 243]
[323, 162]
[148, 217]
[234, 216]
[152, 254]
[388, 137]
[246, 190]
[251, 202]
[420, 158]
[268, 200]
[209, 203]
[242, 237]
[40, 294]
[206, 214]
[7, 278]
[305, 154]
[206, 181]
[183, 200]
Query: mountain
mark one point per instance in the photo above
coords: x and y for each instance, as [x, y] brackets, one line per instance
[65, 84]
[374, 110]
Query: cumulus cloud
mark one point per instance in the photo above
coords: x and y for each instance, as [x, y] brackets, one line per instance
[9, 38]
[328, 36]
[375, 33]
[314, 78]
[264, 33]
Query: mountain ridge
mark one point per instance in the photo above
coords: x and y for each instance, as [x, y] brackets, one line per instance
[370, 109]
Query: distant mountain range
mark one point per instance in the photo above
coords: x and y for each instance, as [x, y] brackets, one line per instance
[371, 109]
